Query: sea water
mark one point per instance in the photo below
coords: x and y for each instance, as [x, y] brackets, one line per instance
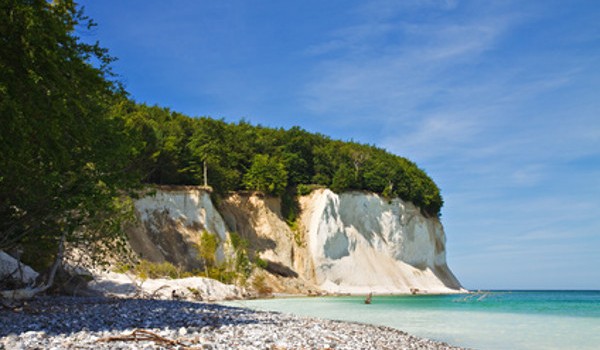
[483, 320]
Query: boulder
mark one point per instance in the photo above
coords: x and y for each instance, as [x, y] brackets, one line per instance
[15, 272]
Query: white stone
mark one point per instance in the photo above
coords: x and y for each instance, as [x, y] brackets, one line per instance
[125, 285]
[12, 269]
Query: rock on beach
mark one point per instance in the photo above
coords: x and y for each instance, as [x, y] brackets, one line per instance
[190, 288]
[105, 323]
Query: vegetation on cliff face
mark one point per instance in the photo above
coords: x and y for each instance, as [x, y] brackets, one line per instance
[73, 144]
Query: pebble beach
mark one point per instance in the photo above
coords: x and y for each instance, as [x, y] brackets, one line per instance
[105, 323]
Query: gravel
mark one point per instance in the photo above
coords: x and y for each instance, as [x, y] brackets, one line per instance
[101, 323]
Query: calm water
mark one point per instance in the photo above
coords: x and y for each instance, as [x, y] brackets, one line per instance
[495, 320]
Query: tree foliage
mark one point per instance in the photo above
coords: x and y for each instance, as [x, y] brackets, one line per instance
[266, 174]
[64, 157]
[275, 161]
[207, 249]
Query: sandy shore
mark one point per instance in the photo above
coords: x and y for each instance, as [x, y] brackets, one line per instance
[100, 323]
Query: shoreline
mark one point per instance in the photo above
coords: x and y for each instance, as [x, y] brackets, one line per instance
[108, 323]
[321, 294]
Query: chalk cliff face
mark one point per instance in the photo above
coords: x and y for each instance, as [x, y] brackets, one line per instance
[170, 223]
[362, 242]
[350, 243]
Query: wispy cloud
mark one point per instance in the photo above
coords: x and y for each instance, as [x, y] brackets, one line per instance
[401, 48]
[444, 83]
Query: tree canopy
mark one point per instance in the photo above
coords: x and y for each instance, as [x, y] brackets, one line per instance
[65, 157]
[174, 147]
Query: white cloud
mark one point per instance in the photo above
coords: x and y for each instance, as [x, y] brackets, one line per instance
[442, 87]
[399, 70]
[528, 175]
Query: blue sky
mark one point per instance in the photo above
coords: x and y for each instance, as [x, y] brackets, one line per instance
[499, 101]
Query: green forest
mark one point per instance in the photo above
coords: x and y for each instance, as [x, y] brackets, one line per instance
[170, 148]
[75, 148]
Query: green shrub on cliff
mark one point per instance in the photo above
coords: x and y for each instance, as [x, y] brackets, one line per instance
[241, 262]
[147, 269]
[207, 250]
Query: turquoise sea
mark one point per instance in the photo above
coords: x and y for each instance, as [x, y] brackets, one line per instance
[485, 320]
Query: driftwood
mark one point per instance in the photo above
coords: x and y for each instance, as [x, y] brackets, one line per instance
[30, 292]
[144, 335]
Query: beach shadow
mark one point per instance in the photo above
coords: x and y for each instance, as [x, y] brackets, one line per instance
[65, 315]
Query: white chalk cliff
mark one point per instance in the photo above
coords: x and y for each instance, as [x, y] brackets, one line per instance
[170, 222]
[362, 243]
[353, 242]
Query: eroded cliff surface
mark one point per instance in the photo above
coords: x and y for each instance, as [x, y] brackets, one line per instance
[350, 243]
[361, 242]
[170, 223]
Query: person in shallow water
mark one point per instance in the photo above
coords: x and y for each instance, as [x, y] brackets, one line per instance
[368, 299]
